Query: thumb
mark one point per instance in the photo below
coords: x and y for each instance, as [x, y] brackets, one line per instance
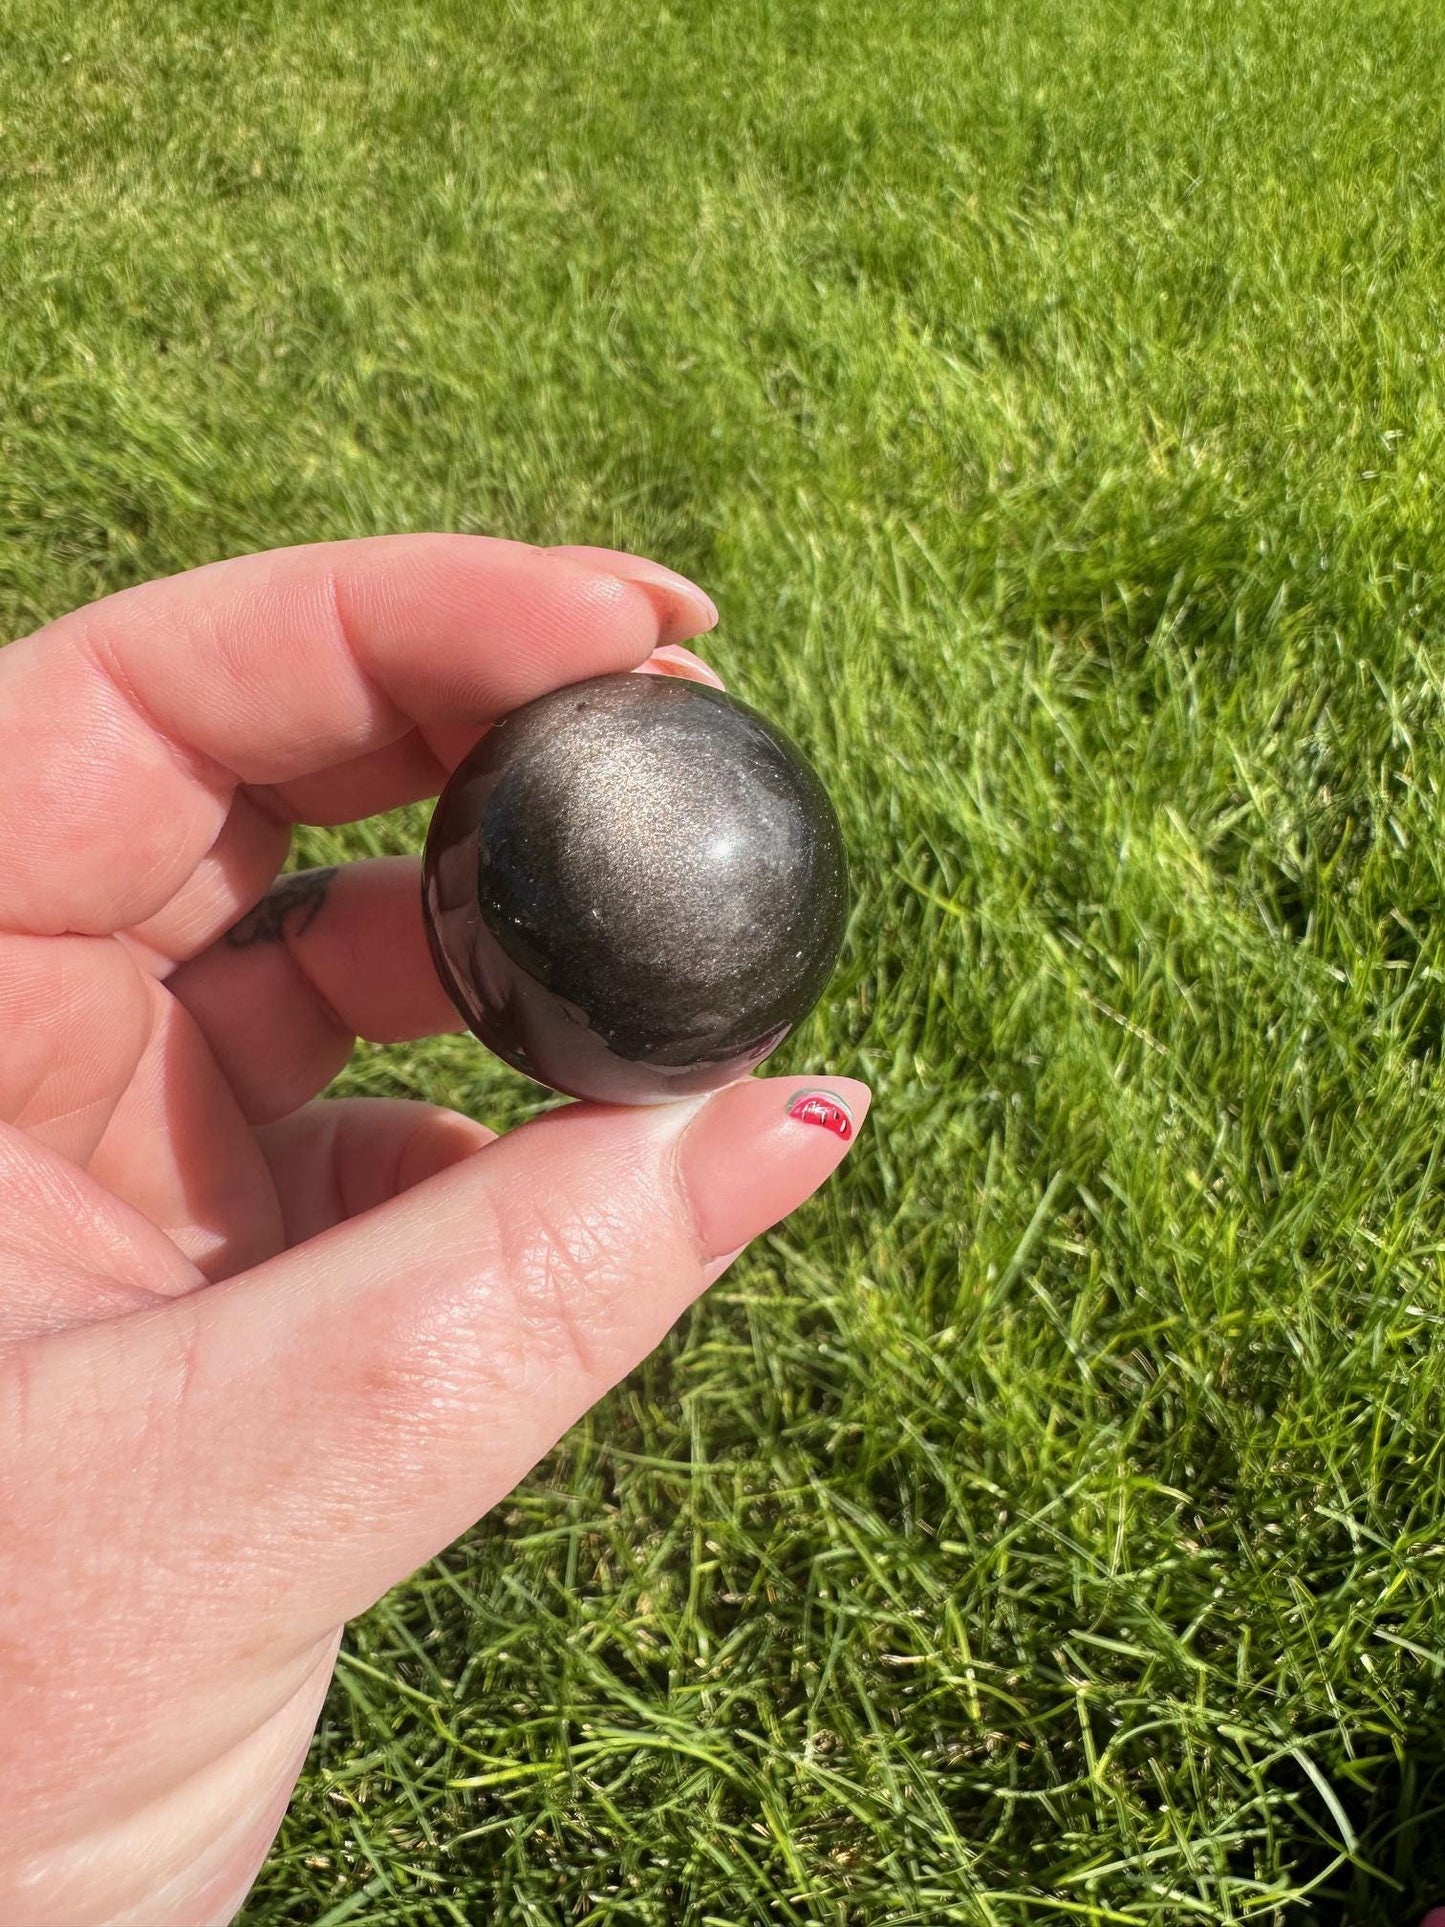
[323, 1424]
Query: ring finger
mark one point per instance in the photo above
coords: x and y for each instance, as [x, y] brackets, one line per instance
[327, 956]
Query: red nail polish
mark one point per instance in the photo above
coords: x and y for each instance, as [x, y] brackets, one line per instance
[821, 1107]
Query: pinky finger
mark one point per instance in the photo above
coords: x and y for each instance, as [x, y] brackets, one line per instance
[340, 1156]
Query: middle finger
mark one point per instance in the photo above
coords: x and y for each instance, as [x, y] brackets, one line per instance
[253, 844]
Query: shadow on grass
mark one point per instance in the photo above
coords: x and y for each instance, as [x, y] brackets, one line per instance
[1399, 1820]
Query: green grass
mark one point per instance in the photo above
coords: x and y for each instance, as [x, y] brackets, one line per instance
[1048, 1523]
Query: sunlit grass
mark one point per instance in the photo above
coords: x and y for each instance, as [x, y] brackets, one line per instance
[1048, 1523]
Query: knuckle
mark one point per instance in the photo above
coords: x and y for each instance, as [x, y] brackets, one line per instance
[560, 1279]
[534, 1310]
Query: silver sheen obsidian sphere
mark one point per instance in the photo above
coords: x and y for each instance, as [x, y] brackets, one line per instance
[634, 888]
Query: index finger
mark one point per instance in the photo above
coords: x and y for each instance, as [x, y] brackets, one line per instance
[126, 726]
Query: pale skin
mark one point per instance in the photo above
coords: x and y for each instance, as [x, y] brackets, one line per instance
[262, 1353]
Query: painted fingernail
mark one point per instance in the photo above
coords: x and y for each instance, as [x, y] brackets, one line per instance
[752, 1153]
[821, 1107]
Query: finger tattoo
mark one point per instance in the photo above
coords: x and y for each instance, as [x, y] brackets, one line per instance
[289, 907]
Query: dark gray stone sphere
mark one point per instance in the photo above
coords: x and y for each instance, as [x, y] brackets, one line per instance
[634, 888]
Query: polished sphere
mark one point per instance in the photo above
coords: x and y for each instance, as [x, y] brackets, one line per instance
[634, 888]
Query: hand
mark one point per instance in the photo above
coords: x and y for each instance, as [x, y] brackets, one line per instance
[262, 1355]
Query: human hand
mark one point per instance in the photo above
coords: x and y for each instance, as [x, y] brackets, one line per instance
[261, 1355]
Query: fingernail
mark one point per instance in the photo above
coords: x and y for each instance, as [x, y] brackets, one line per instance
[757, 1149]
[823, 1109]
[712, 1272]
[670, 578]
[673, 660]
[682, 607]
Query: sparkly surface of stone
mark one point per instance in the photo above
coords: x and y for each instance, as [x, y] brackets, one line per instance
[634, 888]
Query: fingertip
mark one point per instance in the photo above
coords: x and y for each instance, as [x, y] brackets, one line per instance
[441, 1138]
[681, 613]
[681, 607]
[757, 1149]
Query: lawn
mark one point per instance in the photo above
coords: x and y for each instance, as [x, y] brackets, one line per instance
[1047, 1524]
